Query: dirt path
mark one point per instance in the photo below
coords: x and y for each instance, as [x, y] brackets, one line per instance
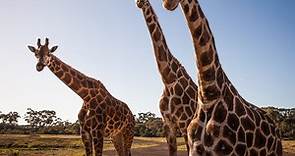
[61, 145]
[160, 150]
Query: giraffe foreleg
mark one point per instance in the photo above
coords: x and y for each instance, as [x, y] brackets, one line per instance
[97, 139]
[170, 134]
[87, 141]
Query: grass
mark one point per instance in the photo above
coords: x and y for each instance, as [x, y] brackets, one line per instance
[56, 144]
[289, 146]
[70, 145]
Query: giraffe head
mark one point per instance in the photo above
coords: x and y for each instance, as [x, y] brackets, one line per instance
[42, 53]
[141, 3]
[171, 4]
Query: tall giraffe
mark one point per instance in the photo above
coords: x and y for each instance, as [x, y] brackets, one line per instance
[178, 101]
[101, 115]
[225, 124]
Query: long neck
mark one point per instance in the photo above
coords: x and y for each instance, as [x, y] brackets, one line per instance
[78, 82]
[210, 74]
[168, 65]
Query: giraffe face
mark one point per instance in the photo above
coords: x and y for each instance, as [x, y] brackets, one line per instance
[141, 3]
[171, 4]
[42, 53]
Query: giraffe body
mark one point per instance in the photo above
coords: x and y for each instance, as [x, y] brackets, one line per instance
[101, 115]
[178, 102]
[225, 123]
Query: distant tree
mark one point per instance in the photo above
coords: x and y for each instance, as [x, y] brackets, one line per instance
[12, 118]
[47, 117]
[40, 119]
[155, 126]
[273, 113]
[72, 128]
[148, 125]
[64, 127]
[144, 117]
[31, 117]
[154, 123]
[46, 121]
[2, 116]
[285, 119]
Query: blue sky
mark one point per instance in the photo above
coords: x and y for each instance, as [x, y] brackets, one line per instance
[108, 40]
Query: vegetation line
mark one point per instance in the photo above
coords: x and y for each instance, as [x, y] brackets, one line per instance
[147, 124]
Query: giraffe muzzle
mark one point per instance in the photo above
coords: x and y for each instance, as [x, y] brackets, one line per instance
[169, 5]
[39, 66]
[140, 3]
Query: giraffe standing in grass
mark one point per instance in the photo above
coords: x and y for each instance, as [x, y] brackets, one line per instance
[225, 123]
[101, 115]
[178, 102]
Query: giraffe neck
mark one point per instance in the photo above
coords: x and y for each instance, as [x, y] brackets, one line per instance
[78, 82]
[168, 65]
[210, 74]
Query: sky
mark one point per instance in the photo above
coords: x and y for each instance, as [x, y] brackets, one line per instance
[109, 41]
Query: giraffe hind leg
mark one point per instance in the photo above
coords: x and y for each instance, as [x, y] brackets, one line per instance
[118, 141]
[128, 139]
[170, 134]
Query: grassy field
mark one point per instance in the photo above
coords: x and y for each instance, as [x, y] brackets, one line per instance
[67, 145]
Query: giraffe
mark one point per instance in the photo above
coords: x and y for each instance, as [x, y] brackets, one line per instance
[178, 101]
[101, 115]
[225, 123]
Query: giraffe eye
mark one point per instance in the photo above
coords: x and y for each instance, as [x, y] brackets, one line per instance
[37, 55]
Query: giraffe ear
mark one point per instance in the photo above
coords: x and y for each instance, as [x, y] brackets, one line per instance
[32, 49]
[53, 49]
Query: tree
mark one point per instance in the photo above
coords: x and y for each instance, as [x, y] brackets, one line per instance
[12, 118]
[148, 125]
[40, 119]
[4, 118]
[47, 117]
[144, 117]
[285, 119]
[31, 117]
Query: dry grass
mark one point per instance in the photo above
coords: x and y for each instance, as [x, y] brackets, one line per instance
[289, 146]
[70, 145]
[61, 145]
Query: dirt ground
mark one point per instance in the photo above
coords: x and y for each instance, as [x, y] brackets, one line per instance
[66, 145]
[160, 150]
